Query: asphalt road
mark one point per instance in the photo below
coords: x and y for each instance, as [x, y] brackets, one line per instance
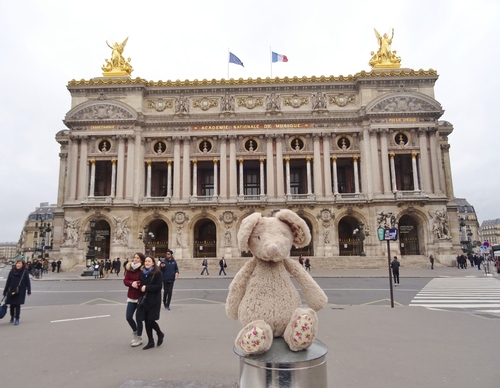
[341, 291]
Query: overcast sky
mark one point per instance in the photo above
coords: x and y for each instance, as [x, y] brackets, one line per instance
[45, 44]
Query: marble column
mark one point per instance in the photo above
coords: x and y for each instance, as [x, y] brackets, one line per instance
[318, 179]
[271, 184]
[375, 164]
[356, 175]
[327, 177]
[83, 169]
[129, 178]
[393, 174]
[262, 182]
[280, 179]
[216, 178]
[414, 167]
[335, 177]
[186, 170]
[113, 178]
[195, 178]
[169, 178]
[241, 177]
[386, 172]
[287, 167]
[223, 167]
[120, 168]
[92, 178]
[177, 169]
[233, 182]
[435, 152]
[148, 179]
[308, 172]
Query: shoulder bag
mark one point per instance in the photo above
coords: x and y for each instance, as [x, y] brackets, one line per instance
[15, 291]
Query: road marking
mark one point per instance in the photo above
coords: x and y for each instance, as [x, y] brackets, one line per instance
[476, 295]
[80, 319]
[101, 300]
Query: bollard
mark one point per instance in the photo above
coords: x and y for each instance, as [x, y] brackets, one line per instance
[279, 367]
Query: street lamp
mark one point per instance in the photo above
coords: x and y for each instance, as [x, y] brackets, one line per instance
[146, 237]
[91, 247]
[44, 229]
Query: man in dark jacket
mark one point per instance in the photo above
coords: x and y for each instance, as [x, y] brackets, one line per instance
[170, 272]
[395, 270]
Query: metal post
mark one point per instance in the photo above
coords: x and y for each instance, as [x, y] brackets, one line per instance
[390, 272]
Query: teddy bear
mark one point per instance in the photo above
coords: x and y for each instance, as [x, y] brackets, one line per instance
[262, 296]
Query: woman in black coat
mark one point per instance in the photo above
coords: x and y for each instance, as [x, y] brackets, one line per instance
[18, 283]
[149, 312]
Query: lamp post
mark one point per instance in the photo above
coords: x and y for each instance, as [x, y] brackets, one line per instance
[89, 258]
[44, 229]
[146, 237]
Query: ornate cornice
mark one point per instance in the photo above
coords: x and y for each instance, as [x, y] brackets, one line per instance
[256, 81]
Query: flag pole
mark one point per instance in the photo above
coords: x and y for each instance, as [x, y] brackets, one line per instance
[271, 59]
[228, 63]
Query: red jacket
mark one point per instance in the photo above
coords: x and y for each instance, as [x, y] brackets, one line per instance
[131, 276]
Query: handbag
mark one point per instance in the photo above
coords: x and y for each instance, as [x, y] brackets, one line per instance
[15, 291]
[141, 301]
[3, 308]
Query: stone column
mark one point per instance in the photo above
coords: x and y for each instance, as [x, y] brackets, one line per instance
[63, 181]
[327, 177]
[415, 171]
[83, 168]
[216, 178]
[120, 172]
[233, 183]
[335, 177]
[186, 170]
[262, 183]
[318, 179]
[129, 178]
[92, 178]
[271, 184]
[177, 169]
[435, 152]
[139, 170]
[148, 179]
[169, 178]
[287, 166]
[308, 172]
[374, 161]
[365, 156]
[280, 180]
[393, 173]
[241, 193]
[73, 168]
[447, 170]
[223, 167]
[195, 178]
[113, 178]
[386, 174]
[356, 175]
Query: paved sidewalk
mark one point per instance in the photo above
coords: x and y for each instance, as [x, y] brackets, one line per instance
[439, 271]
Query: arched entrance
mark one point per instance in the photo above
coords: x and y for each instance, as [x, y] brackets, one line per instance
[307, 250]
[102, 240]
[159, 244]
[408, 235]
[205, 239]
[349, 242]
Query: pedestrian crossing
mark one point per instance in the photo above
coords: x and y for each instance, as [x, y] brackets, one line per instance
[472, 294]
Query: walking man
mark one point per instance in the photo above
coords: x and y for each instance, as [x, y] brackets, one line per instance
[431, 259]
[395, 270]
[170, 272]
[205, 267]
[223, 265]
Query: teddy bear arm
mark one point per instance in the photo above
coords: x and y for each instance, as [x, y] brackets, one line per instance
[237, 288]
[315, 297]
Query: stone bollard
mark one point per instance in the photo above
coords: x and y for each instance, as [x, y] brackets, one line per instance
[280, 367]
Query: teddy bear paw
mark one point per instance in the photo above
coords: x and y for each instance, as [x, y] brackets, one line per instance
[255, 339]
[302, 333]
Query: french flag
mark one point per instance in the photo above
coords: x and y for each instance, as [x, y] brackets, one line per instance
[279, 58]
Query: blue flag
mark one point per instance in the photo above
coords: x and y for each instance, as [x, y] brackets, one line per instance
[234, 59]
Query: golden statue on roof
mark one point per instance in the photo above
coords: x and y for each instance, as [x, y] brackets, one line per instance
[384, 58]
[117, 66]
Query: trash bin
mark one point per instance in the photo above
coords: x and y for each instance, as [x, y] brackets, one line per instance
[280, 367]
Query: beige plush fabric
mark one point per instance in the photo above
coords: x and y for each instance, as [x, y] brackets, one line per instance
[262, 296]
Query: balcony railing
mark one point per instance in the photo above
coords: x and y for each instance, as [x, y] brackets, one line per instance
[156, 200]
[350, 196]
[300, 197]
[252, 198]
[204, 199]
[99, 200]
[410, 194]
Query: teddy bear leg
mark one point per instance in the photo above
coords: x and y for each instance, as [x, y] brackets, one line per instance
[255, 338]
[301, 330]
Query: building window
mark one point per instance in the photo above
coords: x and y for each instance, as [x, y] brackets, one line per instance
[251, 182]
[207, 182]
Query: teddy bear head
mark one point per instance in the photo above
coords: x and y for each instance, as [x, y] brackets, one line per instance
[271, 238]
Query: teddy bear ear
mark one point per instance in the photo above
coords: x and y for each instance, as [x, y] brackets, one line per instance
[299, 228]
[245, 231]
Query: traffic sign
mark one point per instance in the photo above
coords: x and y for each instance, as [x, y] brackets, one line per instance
[391, 234]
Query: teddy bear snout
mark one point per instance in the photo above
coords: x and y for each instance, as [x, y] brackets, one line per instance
[272, 250]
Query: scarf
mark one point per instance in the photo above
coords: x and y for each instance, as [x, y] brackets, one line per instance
[147, 271]
[134, 266]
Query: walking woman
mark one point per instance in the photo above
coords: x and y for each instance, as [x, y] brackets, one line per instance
[132, 281]
[18, 283]
[149, 311]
